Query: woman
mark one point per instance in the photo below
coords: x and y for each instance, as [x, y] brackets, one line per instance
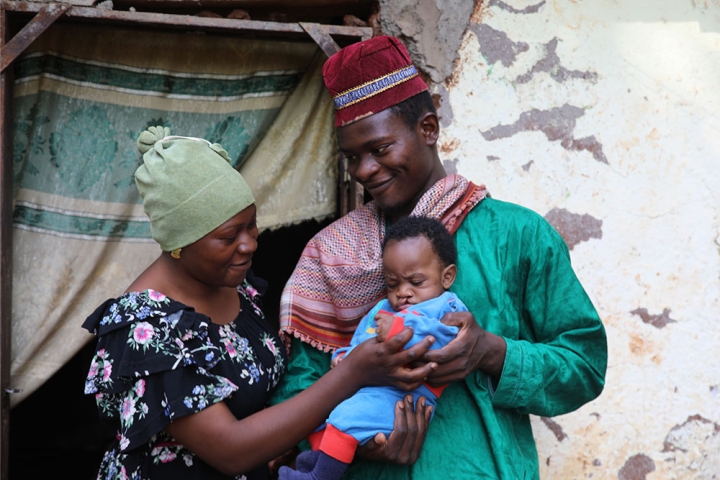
[185, 361]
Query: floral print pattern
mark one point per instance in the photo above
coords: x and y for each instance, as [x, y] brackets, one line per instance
[158, 360]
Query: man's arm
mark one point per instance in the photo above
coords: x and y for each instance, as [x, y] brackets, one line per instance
[549, 355]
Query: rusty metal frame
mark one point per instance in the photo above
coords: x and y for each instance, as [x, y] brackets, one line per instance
[6, 208]
[202, 23]
[45, 15]
[30, 32]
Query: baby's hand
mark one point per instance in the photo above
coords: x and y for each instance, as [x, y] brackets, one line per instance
[338, 358]
[383, 322]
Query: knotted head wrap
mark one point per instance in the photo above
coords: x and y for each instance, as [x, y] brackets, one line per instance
[188, 187]
[370, 76]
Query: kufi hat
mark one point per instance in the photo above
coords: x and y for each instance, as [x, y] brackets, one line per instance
[188, 187]
[370, 76]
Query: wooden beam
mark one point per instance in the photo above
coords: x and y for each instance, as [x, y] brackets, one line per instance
[351, 194]
[319, 11]
[321, 36]
[277, 4]
[30, 32]
[78, 3]
[6, 210]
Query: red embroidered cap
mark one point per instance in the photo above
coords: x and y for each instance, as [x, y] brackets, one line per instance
[367, 77]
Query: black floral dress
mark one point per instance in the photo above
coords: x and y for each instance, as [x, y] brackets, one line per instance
[158, 360]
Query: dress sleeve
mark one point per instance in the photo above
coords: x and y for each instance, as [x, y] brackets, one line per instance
[560, 365]
[151, 367]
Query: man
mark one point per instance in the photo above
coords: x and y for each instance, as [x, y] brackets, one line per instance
[532, 342]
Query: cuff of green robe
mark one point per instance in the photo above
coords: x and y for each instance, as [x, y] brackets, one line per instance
[506, 391]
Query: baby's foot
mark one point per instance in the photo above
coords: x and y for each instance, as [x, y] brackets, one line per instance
[306, 461]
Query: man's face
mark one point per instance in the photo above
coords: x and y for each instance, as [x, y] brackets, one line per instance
[413, 272]
[393, 162]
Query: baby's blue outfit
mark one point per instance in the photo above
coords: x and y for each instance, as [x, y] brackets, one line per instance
[372, 409]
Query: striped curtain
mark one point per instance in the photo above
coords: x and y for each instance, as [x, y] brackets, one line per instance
[82, 95]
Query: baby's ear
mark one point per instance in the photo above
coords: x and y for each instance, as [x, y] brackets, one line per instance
[448, 276]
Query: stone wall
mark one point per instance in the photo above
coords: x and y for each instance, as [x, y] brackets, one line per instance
[602, 115]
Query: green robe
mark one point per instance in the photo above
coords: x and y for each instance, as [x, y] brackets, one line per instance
[514, 275]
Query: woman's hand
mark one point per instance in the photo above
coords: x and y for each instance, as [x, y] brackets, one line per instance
[404, 444]
[386, 363]
[472, 349]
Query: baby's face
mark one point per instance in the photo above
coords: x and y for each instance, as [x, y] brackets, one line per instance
[413, 272]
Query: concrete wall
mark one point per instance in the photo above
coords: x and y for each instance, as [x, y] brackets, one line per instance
[602, 115]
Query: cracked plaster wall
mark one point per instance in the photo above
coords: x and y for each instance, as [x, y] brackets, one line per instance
[603, 116]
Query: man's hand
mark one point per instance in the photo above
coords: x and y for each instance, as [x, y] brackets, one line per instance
[404, 444]
[472, 349]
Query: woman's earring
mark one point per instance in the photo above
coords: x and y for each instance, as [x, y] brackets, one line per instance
[176, 253]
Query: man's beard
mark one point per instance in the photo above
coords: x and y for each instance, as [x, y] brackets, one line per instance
[391, 210]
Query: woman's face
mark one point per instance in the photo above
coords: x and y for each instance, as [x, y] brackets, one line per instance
[222, 257]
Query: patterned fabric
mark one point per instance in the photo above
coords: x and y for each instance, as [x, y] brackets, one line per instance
[158, 360]
[316, 304]
[374, 87]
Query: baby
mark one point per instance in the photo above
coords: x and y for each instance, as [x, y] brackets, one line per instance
[419, 266]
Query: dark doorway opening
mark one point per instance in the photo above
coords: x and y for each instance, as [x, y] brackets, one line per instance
[56, 429]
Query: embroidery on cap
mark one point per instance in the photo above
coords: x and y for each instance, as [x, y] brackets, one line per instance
[373, 87]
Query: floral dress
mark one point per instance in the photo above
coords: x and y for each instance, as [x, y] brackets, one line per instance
[158, 360]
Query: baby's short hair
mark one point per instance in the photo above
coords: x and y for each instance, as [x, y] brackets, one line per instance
[440, 239]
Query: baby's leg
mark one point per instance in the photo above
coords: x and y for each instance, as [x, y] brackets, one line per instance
[369, 412]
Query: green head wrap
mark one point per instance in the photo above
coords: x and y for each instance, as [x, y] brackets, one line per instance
[188, 187]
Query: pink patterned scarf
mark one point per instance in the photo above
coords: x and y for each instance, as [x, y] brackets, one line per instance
[339, 276]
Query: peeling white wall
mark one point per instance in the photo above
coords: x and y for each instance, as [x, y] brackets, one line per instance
[645, 78]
